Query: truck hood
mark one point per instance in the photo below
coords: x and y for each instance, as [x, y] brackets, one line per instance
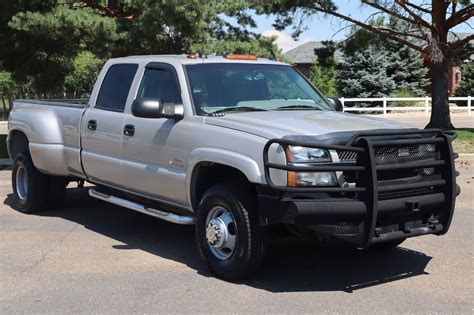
[278, 124]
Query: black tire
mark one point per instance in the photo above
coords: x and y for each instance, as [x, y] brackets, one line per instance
[387, 245]
[248, 252]
[56, 192]
[32, 198]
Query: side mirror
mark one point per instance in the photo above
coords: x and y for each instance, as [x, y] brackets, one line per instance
[154, 108]
[335, 103]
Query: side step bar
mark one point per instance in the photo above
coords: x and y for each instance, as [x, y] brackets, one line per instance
[167, 216]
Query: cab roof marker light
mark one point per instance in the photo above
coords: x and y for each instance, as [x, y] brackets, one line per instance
[240, 57]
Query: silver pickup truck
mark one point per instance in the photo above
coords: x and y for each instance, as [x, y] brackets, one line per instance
[237, 146]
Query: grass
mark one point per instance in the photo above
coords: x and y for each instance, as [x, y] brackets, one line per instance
[464, 143]
[3, 147]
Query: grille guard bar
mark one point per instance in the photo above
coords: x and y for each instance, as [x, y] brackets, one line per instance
[367, 187]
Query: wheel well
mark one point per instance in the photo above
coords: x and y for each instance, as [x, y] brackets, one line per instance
[18, 143]
[207, 174]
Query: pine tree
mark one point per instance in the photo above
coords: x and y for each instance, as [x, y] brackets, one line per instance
[404, 65]
[466, 87]
[365, 74]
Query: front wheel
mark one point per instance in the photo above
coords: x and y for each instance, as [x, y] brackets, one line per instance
[228, 234]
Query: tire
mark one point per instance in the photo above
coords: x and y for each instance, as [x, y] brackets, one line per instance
[227, 216]
[56, 192]
[29, 185]
[387, 245]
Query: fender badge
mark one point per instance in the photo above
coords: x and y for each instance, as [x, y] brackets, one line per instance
[177, 163]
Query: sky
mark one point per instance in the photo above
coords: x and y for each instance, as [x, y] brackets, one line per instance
[323, 28]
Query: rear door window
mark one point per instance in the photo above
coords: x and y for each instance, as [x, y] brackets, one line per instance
[115, 87]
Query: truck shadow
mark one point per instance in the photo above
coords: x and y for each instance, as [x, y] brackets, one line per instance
[289, 266]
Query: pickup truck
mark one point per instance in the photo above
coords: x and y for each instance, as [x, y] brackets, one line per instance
[236, 145]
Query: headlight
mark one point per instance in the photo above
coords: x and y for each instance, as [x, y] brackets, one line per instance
[297, 155]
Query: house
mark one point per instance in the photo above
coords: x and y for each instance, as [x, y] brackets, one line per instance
[303, 56]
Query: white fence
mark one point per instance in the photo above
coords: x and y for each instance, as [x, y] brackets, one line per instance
[385, 108]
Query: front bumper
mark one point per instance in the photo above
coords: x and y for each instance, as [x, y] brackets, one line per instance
[371, 211]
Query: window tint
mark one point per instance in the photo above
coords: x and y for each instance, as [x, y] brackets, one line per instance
[160, 84]
[115, 87]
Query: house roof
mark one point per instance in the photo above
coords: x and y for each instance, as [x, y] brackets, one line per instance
[305, 53]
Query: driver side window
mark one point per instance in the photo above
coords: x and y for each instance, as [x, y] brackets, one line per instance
[160, 84]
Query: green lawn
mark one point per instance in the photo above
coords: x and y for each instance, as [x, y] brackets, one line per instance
[3, 147]
[464, 143]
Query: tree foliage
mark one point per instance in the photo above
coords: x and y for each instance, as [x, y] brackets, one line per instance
[401, 64]
[323, 72]
[85, 68]
[365, 75]
[46, 43]
[466, 87]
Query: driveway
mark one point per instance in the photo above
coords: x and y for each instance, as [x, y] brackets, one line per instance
[94, 257]
[420, 120]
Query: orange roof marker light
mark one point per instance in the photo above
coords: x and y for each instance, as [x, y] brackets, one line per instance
[240, 57]
[192, 56]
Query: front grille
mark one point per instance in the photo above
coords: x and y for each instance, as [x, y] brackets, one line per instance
[399, 154]
[402, 154]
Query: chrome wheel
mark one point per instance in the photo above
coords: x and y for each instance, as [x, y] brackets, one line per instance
[22, 183]
[221, 232]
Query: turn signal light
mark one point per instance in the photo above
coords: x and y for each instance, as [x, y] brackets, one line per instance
[240, 57]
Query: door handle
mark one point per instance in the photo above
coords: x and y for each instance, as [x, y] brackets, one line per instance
[92, 125]
[129, 130]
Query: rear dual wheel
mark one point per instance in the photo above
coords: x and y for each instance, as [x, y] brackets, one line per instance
[33, 190]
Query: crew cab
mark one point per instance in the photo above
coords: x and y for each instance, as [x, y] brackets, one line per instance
[235, 145]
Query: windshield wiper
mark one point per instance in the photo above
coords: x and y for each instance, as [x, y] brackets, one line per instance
[297, 107]
[237, 109]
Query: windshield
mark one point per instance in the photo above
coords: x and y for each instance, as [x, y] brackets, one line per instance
[238, 87]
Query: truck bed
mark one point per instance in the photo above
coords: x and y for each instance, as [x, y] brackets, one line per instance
[53, 131]
[78, 103]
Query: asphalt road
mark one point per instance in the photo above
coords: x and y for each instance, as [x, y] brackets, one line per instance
[95, 258]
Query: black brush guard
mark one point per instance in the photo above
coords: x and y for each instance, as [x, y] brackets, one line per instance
[338, 210]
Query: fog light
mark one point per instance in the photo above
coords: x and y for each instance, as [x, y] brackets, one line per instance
[316, 179]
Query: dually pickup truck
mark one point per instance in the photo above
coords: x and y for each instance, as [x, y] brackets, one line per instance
[236, 146]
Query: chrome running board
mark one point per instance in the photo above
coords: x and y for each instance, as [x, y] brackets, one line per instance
[167, 216]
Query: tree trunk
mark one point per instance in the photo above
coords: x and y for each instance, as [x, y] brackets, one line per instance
[440, 115]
